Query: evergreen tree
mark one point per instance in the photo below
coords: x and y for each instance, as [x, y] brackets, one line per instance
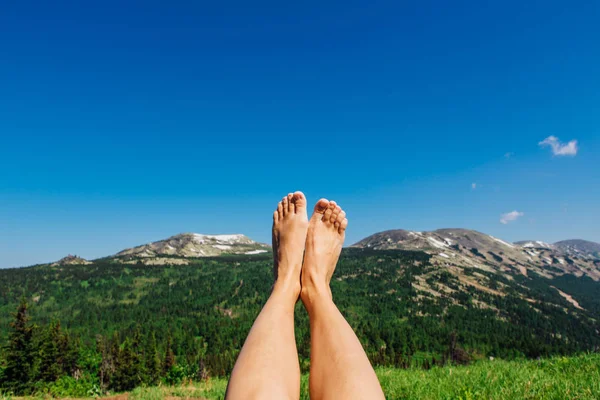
[71, 347]
[126, 375]
[20, 353]
[138, 355]
[51, 353]
[169, 356]
[152, 361]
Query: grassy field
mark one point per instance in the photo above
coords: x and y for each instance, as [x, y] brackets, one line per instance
[555, 378]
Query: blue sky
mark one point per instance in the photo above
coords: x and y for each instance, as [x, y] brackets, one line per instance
[126, 122]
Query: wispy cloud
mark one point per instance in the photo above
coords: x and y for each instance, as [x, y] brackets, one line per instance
[509, 154]
[510, 216]
[473, 186]
[558, 148]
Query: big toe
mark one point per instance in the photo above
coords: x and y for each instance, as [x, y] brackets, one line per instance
[321, 206]
[299, 200]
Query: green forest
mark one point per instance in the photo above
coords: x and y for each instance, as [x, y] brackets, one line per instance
[112, 326]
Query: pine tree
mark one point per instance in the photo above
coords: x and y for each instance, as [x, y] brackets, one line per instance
[138, 355]
[152, 361]
[20, 353]
[51, 353]
[126, 376]
[169, 356]
[71, 347]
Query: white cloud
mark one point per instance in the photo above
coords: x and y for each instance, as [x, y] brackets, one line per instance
[473, 186]
[509, 154]
[510, 216]
[558, 148]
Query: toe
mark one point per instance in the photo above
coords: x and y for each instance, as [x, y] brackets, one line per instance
[280, 210]
[299, 202]
[321, 206]
[284, 205]
[329, 212]
[291, 206]
[275, 216]
[339, 217]
[334, 215]
[343, 225]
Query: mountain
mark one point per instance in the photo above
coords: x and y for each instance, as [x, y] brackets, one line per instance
[572, 247]
[71, 260]
[579, 247]
[187, 245]
[472, 249]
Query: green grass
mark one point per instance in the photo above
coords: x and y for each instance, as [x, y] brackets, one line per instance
[556, 378]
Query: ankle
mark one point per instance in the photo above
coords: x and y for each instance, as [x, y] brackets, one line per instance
[287, 288]
[314, 291]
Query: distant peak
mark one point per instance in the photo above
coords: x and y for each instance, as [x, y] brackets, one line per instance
[71, 259]
[192, 244]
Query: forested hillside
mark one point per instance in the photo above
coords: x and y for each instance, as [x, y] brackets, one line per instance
[191, 320]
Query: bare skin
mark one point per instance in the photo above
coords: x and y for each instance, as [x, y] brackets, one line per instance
[268, 367]
[339, 367]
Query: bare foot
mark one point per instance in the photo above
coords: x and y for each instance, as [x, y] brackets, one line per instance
[290, 223]
[324, 240]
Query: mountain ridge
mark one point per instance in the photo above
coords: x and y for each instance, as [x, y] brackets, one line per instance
[579, 246]
[441, 243]
[195, 245]
[464, 247]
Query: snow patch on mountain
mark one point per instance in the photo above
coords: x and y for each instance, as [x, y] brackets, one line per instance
[437, 243]
[502, 241]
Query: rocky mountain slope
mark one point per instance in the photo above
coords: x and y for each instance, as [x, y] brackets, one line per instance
[471, 257]
[193, 245]
[580, 247]
[479, 250]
